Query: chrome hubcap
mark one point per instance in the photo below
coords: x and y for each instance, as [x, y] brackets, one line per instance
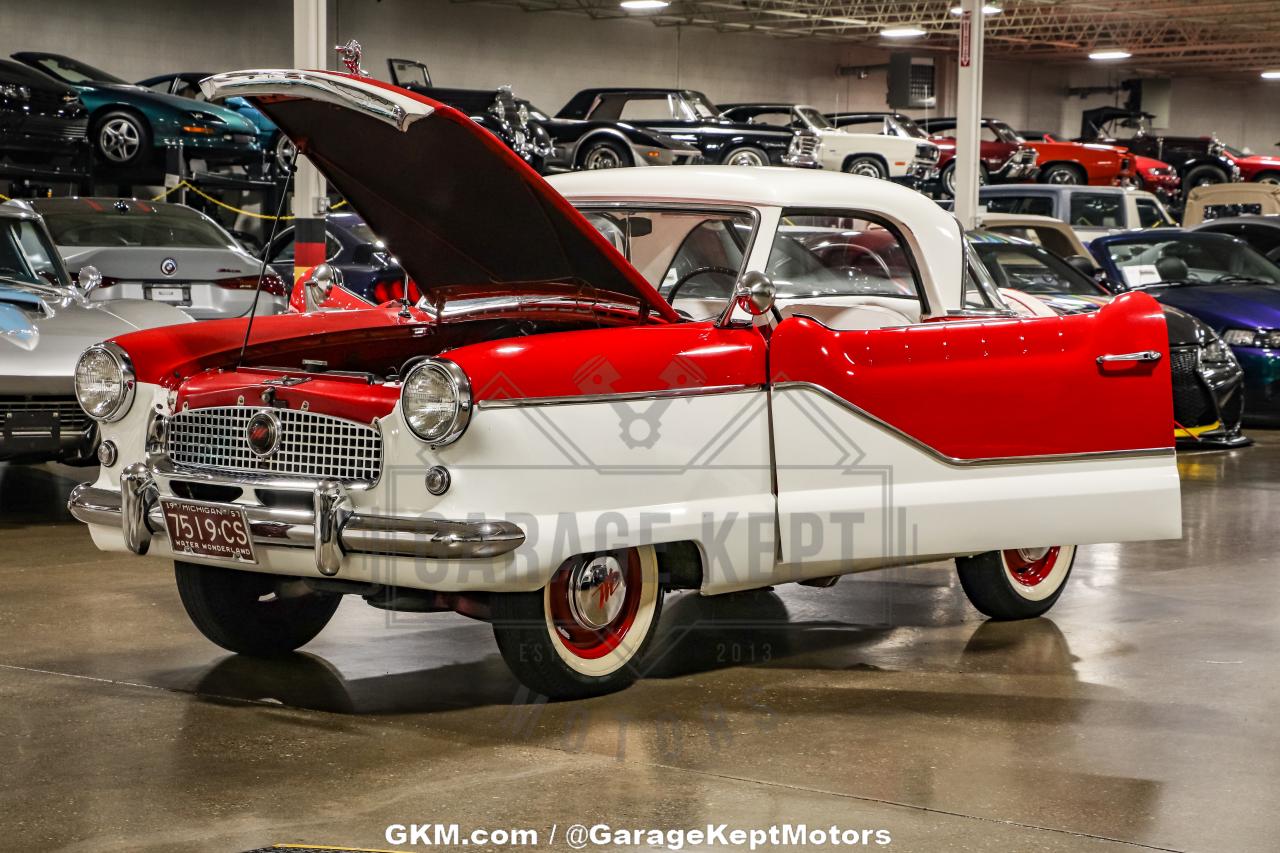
[867, 170]
[119, 140]
[603, 158]
[1032, 555]
[284, 151]
[597, 591]
[1062, 176]
[745, 158]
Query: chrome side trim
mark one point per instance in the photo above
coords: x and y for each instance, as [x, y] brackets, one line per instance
[316, 87]
[967, 463]
[624, 397]
[342, 533]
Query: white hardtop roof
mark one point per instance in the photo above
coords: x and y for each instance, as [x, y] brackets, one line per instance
[935, 233]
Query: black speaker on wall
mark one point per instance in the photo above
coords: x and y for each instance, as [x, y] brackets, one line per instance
[910, 82]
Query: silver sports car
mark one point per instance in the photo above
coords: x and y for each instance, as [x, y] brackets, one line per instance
[160, 252]
[46, 322]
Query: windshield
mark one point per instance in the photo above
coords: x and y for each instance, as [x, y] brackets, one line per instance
[169, 225]
[26, 255]
[821, 253]
[699, 105]
[684, 254]
[1005, 133]
[75, 72]
[815, 119]
[1033, 270]
[907, 127]
[1190, 259]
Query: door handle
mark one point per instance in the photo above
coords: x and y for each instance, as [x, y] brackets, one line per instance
[1148, 355]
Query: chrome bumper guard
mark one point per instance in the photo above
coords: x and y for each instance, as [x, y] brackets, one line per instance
[331, 528]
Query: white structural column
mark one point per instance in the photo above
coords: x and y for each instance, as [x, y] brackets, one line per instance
[969, 112]
[310, 50]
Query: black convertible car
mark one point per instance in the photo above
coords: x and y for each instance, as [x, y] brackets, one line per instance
[496, 110]
[690, 118]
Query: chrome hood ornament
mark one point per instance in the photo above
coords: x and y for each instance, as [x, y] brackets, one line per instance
[350, 53]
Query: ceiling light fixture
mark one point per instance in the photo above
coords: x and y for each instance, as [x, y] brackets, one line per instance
[987, 9]
[1110, 53]
[1271, 75]
[644, 4]
[907, 32]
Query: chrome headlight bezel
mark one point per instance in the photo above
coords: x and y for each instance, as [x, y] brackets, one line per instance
[128, 382]
[1253, 338]
[451, 429]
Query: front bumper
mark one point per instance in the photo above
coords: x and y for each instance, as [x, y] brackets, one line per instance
[331, 528]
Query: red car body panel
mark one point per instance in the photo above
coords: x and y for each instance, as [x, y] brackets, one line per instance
[994, 154]
[1156, 176]
[984, 390]
[1104, 165]
[627, 360]
[1255, 166]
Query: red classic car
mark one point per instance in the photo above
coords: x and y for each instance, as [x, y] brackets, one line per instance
[1004, 156]
[1261, 168]
[1146, 173]
[545, 443]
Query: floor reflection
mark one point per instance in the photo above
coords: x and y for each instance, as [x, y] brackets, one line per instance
[38, 493]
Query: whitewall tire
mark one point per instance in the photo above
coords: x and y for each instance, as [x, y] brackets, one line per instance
[1016, 583]
[586, 631]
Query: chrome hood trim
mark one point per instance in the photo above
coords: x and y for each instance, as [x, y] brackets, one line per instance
[316, 86]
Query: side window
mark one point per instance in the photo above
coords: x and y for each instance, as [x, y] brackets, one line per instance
[282, 251]
[989, 135]
[646, 109]
[830, 254]
[1038, 205]
[1149, 214]
[1097, 210]
[714, 248]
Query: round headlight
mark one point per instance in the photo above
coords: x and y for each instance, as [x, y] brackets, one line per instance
[436, 401]
[105, 382]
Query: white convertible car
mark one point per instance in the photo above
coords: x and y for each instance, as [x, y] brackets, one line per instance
[545, 443]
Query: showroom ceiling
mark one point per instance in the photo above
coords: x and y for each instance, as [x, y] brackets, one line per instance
[1199, 36]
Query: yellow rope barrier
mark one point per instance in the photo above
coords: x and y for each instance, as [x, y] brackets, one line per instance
[224, 205]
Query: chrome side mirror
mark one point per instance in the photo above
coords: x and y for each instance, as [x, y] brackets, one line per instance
[321, 281]
[88, 279]
[753, 293]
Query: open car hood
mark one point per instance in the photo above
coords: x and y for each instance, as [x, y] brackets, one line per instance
[454, 204]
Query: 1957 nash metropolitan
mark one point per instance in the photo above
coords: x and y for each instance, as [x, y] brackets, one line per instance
[545, 442]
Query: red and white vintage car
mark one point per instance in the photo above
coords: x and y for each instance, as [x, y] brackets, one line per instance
[545, 443]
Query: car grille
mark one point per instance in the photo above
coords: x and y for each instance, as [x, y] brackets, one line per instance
[312, 446]
[1192, 405]
[55, 126]
[804, 145]
[70, 416]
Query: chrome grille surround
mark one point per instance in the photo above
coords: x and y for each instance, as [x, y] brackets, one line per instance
[312, 446]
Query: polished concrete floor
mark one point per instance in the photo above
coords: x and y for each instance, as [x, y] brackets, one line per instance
[1142, 714]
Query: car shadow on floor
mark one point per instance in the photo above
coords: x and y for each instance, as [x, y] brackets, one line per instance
[697, 635]
[34, 494]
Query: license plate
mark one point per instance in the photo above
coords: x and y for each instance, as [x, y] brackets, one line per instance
[208, 530]
[167, 294]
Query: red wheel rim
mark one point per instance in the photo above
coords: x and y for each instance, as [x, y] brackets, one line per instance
[585, 641]
[1030, 567]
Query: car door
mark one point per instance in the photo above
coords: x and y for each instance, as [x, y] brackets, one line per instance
[963, 435]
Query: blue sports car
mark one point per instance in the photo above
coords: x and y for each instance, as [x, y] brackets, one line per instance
[1219, 279]
[186, 84]
[367, 266]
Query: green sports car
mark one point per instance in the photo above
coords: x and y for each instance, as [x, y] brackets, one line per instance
[130, 127]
